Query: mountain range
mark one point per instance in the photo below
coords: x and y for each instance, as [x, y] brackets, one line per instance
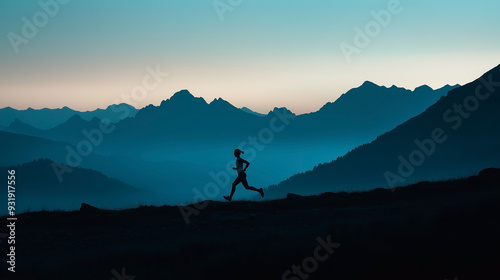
[188, 129]
[175, 149]
[455, 137]
[49, 118]
[363, 112]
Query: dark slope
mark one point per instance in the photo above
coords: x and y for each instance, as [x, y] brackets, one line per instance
[436, 231]
[471, 143]
[38, 187]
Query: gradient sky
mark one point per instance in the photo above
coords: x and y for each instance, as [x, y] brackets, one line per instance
[261, 55]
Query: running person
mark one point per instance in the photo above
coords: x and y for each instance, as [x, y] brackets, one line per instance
[242, 176]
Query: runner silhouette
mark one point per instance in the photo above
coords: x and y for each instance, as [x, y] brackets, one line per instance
[242, 176]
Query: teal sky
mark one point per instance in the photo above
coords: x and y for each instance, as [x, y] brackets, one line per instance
[262, 54]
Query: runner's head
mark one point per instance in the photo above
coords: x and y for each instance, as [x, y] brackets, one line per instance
[238, 152]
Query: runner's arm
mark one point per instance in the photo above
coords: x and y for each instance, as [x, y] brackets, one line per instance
[247, 164]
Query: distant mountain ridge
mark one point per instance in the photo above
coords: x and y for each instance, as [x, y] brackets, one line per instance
[372, 110]
[49, 118]
[374, 100]
[368, 110]
[457, 136]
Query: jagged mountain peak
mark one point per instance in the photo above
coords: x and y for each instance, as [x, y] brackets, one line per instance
[369, 84]
[183, 98]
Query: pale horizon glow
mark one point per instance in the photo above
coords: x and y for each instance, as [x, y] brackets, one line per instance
[262, 55]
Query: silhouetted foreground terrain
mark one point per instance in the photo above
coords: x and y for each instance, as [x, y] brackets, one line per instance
[438, 230]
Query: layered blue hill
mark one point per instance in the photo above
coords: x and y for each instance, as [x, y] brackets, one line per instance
[49, 118]
[458, 136]
[39, 188]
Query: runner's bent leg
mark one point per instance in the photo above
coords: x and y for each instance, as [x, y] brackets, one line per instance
[245, 184]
